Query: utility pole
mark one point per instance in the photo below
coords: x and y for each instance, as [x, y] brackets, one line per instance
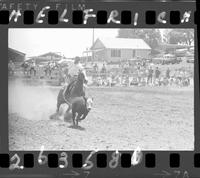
[92, 44]
[93, 36]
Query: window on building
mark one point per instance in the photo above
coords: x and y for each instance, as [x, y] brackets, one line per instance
[133, 53]
[115, 53]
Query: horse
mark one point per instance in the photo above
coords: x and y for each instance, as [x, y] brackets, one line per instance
[74, 89]
[81, 106]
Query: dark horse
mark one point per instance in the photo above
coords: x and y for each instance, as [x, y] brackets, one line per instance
[74, 89]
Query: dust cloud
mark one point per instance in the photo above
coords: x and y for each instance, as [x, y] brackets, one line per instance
[31, 102]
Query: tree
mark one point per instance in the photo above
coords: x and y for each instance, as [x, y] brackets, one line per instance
[151, 36]
[183, 36]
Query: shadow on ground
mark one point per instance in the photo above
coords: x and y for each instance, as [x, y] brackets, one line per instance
[77, 127]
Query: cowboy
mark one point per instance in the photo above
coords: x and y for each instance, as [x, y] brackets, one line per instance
[75, 69]
[73, 73]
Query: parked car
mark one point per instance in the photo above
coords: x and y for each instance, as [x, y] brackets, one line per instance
[170, 59]
[190, 57]
[190, 60]
[166, 59]
[157, 60]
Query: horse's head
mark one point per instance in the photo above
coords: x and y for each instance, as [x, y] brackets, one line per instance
[82, 77]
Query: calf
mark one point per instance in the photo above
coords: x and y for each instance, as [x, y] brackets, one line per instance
[80, 108]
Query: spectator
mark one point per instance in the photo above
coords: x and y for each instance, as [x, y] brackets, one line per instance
[139, 74]
[168, 73]
[96, 67]
[33, 68]
[51, 67]
[157, 75]
[150, 76]
[25, 67]
[143, 63]
[103, 70]
[47, 69]
[11, 67]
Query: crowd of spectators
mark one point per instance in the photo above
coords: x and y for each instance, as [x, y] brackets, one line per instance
[138, 74]
[32, 69]
[142, 74]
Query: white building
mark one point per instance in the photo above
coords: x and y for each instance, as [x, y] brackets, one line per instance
[119, 49]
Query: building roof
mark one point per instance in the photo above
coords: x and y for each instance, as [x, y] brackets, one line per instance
[48, 57]
[16, 52]
[122, 43]
[15, 56]
[52, 54]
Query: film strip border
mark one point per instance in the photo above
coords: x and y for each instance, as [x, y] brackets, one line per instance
[133, 14]
[96, 159]
[79, 17]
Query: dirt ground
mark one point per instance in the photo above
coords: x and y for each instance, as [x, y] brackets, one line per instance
[153, 118]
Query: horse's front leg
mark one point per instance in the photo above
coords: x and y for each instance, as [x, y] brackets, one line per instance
[73, 117]
[77, 119]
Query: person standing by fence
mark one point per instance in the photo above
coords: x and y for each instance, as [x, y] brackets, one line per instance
[168, 73]
[95, 68]
[157, 76]
[150, 76]
[103, 71]
[25, 66]
[11, 67]
[33, 68]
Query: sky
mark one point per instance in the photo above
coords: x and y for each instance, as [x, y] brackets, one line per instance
[70, 42]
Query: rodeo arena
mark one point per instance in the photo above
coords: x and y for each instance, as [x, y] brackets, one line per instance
[132, 98]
